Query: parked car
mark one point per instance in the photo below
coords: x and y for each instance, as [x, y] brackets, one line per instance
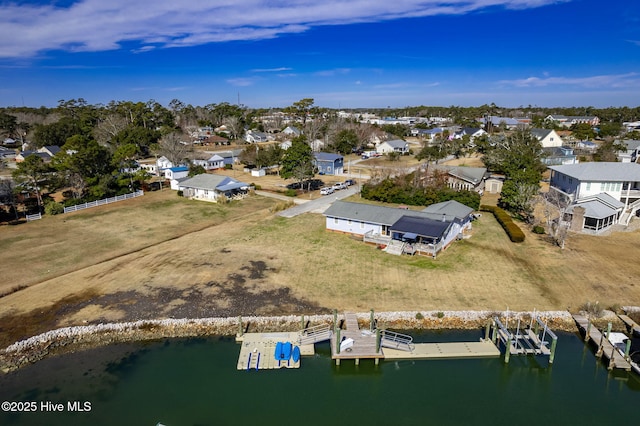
[339, 185]
[326, 190]
[311, 184]
[349, 182]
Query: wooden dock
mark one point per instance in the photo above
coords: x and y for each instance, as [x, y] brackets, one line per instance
[605, 347]
[257, 350]
[631, 324]
[365, 342]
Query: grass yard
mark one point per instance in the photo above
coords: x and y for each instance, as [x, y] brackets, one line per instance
[162, 256]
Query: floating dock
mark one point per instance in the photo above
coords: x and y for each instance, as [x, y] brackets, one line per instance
[350, 342]
[257, 351]
[600, 340]
[481, 349]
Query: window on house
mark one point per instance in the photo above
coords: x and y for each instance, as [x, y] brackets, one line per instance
[588, 186]
[361, 225]
[349, 222]
[335, 220]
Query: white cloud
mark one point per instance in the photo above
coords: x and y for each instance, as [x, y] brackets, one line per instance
[97, 25]
[610, 81]
[241, 81]
[271, 69]
[333, 72]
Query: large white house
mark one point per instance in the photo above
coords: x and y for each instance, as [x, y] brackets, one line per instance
[610, 188]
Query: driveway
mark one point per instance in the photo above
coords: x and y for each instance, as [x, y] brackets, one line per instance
[319, 205]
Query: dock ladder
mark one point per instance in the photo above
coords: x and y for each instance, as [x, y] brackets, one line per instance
[315, 334]
[393, 340]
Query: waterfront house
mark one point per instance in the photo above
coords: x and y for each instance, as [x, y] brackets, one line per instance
[419, 232]
[619, 181]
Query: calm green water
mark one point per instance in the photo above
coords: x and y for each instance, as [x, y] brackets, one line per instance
[194, 382]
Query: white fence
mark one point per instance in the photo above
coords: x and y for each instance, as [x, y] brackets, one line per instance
[102, 202]
[36, 216]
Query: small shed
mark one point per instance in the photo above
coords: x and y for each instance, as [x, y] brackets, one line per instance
[493, 184]
[258, 172]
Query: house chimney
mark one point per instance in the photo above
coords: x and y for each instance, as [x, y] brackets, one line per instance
[444, 217]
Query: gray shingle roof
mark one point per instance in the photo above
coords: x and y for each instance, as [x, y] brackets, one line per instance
[609, 172]
[389, 215]
[470, 174]
[208, 181]
[449, 208]
[599, 206]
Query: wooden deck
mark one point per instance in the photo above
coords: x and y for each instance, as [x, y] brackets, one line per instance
[257, 351]
[364, 342]
[605, 348]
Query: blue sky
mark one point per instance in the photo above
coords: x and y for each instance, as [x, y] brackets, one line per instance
[344, 54]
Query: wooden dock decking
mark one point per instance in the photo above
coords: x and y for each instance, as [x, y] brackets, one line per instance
[631, 324]
[257, 351]
[365, 344]
[605, 347]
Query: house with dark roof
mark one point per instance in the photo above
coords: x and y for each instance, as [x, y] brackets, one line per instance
[548, 138]
[22, 155]
[472, 132]
[605, 181]
[425, 232]
[328, 163]
[209, 187]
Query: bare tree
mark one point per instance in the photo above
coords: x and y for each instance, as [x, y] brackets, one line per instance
[234, 126]
[555, 205]
[172, 147]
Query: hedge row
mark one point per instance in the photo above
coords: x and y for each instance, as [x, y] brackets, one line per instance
[513, 231]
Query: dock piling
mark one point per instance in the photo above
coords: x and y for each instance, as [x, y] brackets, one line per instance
[240, 330]
[371, 320]
[552, 355]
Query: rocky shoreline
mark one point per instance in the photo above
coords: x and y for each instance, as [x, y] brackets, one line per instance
[72, 339]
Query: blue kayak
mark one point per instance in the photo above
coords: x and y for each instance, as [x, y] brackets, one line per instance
[296, 354]
[286, 351]
[278, 353]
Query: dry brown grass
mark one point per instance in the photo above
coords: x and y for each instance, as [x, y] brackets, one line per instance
[241, 259]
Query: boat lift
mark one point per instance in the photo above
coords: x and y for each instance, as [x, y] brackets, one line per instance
[527, 340]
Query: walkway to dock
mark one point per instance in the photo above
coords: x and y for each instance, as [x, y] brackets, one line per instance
[605, 347]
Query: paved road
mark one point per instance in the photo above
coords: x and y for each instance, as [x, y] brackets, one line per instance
[319, 205]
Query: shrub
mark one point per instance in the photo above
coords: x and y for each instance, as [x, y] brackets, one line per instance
[180, 194]
[419, 316]
[53, 208]
[538, 229]
[290, 193]
[228, 166]
[593, 309]
[513, 231]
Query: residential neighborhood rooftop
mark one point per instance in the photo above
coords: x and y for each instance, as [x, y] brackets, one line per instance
[604, 171]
